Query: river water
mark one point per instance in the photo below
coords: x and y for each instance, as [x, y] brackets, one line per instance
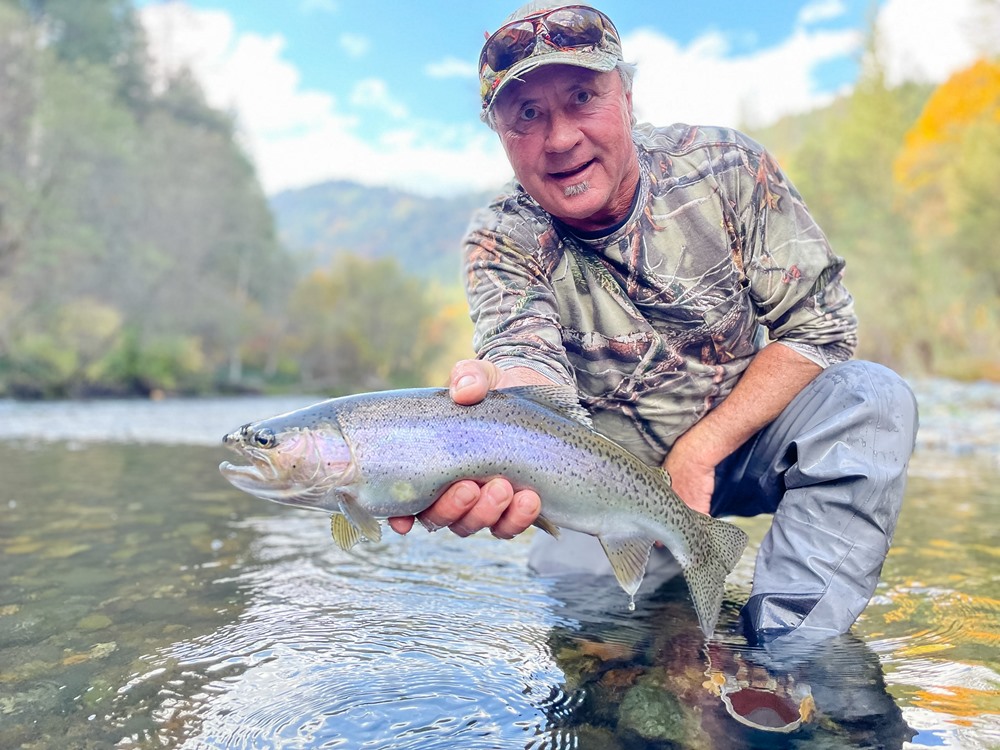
[144, 603]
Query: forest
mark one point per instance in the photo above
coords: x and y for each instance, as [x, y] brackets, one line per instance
[140, 256]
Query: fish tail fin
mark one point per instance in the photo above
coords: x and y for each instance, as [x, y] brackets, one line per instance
[706, 577]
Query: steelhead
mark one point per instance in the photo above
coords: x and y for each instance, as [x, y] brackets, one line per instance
[392, 453]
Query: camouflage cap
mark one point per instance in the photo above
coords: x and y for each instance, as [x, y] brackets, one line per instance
[559, 33]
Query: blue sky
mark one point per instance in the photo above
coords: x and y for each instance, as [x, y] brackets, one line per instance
[385, 93]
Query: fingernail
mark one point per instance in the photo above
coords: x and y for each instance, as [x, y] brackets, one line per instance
[500, 495]
[527, 504]
[463, 382]
[431, 527]
[466, 494]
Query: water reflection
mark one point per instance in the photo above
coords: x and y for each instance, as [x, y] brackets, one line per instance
[651, 681]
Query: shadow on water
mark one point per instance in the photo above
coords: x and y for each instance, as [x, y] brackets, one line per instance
[146, 604]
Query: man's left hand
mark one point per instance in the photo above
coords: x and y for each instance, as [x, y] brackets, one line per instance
[693, 481]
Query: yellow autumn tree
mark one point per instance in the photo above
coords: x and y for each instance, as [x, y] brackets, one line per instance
[947, 178]
[964, 107]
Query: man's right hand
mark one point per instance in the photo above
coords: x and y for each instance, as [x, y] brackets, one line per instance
[467, 506]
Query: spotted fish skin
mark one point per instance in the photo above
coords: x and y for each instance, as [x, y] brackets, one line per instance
[392, 453]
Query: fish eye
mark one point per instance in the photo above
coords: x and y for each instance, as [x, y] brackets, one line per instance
[264, 438]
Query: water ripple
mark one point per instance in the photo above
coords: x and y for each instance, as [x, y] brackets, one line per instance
[345, 650]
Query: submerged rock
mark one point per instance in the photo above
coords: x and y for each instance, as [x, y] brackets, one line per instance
[652, 712]
[94, 622]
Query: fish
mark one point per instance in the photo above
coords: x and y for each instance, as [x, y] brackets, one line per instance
[371, 456]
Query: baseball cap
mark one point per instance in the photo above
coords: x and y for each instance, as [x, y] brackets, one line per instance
[544, 32]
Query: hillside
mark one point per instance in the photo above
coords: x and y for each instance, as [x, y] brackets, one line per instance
[322, 222]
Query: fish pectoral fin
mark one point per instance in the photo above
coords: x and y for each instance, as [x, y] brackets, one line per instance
[363, 523]
[547, 526]
[628, 554]
[343, 532]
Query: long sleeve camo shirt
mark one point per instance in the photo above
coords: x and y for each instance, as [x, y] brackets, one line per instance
[654, 321]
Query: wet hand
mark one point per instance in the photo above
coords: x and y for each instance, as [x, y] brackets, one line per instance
[467, 507]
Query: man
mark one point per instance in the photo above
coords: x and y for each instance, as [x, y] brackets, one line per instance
[675, 278]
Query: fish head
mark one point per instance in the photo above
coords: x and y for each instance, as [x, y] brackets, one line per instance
[304, 466]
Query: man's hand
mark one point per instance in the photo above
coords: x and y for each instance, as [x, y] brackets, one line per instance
[775, 376]
[467, 507]
[691, 479]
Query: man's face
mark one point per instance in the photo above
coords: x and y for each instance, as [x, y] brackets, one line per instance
[567, 132]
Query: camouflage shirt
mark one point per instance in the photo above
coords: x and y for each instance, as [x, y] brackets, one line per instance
[654, 321]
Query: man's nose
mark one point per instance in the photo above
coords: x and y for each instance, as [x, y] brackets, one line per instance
[563, 132]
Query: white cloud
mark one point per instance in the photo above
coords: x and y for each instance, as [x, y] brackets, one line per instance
[821, 10]
[927, 40]
[354, 45]
[298, 136]
[373, 93]
[181, 37]
[703, 83]
[452, 67]
[400, 159]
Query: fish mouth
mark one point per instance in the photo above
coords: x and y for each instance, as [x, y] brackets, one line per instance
[267, 485]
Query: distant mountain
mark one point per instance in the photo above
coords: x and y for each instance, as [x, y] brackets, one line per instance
[321, 222]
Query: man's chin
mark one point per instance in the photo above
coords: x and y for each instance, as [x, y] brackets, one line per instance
[578, 207]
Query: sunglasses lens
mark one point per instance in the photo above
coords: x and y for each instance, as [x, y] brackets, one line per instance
[515, 43]
[578, 27]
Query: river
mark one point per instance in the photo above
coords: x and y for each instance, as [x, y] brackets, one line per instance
[144, 603]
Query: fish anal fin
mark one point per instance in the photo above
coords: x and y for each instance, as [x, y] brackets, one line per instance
[547, 526]
[628, 554]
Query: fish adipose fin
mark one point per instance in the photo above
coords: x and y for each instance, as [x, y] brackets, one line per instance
[706, 579]
[353, 524]
[628, 554]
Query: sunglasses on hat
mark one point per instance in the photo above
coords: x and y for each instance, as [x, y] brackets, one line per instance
[567, 28]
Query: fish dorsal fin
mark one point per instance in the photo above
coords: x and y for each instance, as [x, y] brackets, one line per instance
[628, 554]
[353, 524]
[561, 398]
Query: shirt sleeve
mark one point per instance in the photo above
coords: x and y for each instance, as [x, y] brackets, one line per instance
[795, 279]
[511, 301]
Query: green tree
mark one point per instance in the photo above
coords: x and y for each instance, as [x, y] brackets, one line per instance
[362, 324]
[98, 32]
[151, 224]
[844, 170]
[948, 176]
